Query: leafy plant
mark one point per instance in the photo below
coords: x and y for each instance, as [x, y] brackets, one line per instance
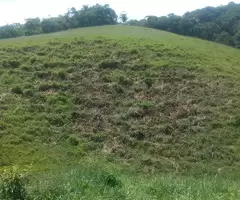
[12, 185]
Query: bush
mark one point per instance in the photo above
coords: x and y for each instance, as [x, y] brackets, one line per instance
[33, 59]
[123, 80]
[45, 86]
[109, 64]
[145, 104]
[110, 180]
[12, 186]
[26, 67]
[149, 82]
[58, 99]
[99, 137]
[43, 74]
[140, 66]
[11, 63]
[27, 138]
[73, 140]
[55, 119]
[62, 74]
[118, 88]
[28, 92]
[134, 112]
[237, 121]
[3, 125]
[54, 64]
[134, 51]
[138, 135]
[17, 90]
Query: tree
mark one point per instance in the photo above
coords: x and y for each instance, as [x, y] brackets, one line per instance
[237, 39]
[12, 30]
[173, 22]
[152, 21]
[123, 17]
[32, 26]
[50, 25]
[133, 22]
[208, 30]
[225, 38]
[96, 15]
[186, 25]
[71, 18]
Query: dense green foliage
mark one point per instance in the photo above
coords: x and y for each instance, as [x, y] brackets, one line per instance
[119, 96]
[95, 15]
[220, 24]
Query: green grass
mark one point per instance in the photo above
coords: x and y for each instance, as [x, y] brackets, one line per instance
[162, 103]
[101, 181]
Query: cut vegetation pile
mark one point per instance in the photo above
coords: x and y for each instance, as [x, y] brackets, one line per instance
[153, 100]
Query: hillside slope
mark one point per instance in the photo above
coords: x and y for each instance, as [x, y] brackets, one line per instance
[155, 100]
[125, 90]
[120, 103]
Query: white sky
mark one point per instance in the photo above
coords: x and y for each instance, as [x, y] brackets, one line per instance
[18, 10]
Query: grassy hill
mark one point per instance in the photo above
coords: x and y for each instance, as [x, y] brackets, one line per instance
[121, 106]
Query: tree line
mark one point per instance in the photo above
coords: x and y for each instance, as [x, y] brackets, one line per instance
[220, 24]
[95, 15]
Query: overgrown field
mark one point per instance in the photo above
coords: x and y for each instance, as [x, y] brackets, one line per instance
[159, 102]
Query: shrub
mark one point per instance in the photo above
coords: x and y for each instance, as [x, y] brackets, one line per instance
[237, 121]
[134, 112]
[138, 135]
[99, 137]
[109, 64]
[43, 74]
[140, 66]
[33, 59]
[57, 99]
[70, 69]
[145, 104]
[17, 90]
[110, 180]
[118, 88]
[93, 146]
[11, 63]
[12, 186]
[149, 82]
[73, 140]
[3, 125]
[26, 67]
[51, 86]
[107, 78]
[28, 92]
[27, 138]
[134, 51]
[62, 74]
[55, 119]
[123, 80]
[54, 64]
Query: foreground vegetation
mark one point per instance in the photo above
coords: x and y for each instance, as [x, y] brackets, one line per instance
[166, 105]
[94, 181]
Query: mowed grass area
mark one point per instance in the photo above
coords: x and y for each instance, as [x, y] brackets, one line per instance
[166, 105]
